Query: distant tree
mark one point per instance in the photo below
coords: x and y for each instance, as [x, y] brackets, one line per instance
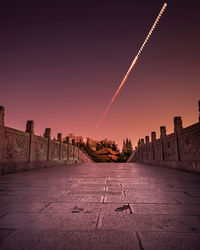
[87, 146]
[129, 146]
[124, 147]
[98, 146]
[82, 146]
[114, 147]
[127, 150]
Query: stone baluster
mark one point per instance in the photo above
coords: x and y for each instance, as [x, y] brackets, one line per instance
[59, 139]
[178, 127]
[162, 136]
[147, 146]
[47, 134]
[30, 130]
[153, 140]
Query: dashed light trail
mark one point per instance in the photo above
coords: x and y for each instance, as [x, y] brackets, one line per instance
[131, 66]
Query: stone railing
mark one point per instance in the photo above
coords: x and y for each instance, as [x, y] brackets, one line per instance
[24, 151]
[179, 150]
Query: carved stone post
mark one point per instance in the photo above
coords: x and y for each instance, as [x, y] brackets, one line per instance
[1, 116]
[139, 150]
[142, 148]
[162, 136]
[199, 109]
[30, 130]
[67, 142]
[47, 134]
[73, 143]
[153, 140]
[136, 154]
[1, 131]
[59, 139]
[178, 127]
[78, 146]
[147, 146]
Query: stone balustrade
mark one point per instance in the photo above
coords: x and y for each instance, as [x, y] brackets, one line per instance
[21, 150]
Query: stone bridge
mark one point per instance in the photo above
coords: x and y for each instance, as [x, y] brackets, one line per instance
[100, 206]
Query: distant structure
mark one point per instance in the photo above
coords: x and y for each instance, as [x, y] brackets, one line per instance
[179, 150]
[108, 155]
[77, 139]
[92, 143]
[98, 144]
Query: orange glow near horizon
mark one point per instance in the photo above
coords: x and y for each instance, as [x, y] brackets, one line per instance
[131, 67]
[61, 65]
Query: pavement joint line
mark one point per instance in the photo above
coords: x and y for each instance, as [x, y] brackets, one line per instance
[144, 203]
[175, 200]
[64, 192]
[139, 240]
[99, 222]
[188, 194]
[163, 231]
[159, 190]
[45, 206]
[131, 208]
[124, 193]
[3, 215]
[102, 199]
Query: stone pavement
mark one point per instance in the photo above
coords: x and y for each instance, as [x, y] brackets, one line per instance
[100, 206]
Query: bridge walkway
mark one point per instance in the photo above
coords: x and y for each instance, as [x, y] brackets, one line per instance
[100, 206]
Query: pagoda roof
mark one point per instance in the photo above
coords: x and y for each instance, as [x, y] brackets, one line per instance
[106, 151]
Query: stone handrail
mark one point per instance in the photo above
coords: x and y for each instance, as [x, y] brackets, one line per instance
[179, 150]
[21, 150]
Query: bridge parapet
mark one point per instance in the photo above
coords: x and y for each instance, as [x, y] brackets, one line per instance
[21, 150]
[179, 150]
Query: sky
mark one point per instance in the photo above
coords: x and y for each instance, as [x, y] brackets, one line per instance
[62, 61]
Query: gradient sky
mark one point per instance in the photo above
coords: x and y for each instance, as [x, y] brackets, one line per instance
[62, 61]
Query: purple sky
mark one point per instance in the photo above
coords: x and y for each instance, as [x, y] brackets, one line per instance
[62, 61]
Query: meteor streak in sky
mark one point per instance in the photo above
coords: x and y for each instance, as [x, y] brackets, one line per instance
[131, 66]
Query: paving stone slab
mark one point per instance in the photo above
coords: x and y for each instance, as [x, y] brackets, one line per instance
[144, 198]
[114, 189]
[27, 198]
[186, 200]
[27, 188]
[98, 197]
[169, 240]
[113, 185]
[97, 208]
[79, 198]
[49, 221]
[195, 194]
[152, 222]
[20, 207]
[113, 198]
[34, 193]
[140, 188]
[171, 209]
[4, 233]
[73, 240]
[88, 188]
